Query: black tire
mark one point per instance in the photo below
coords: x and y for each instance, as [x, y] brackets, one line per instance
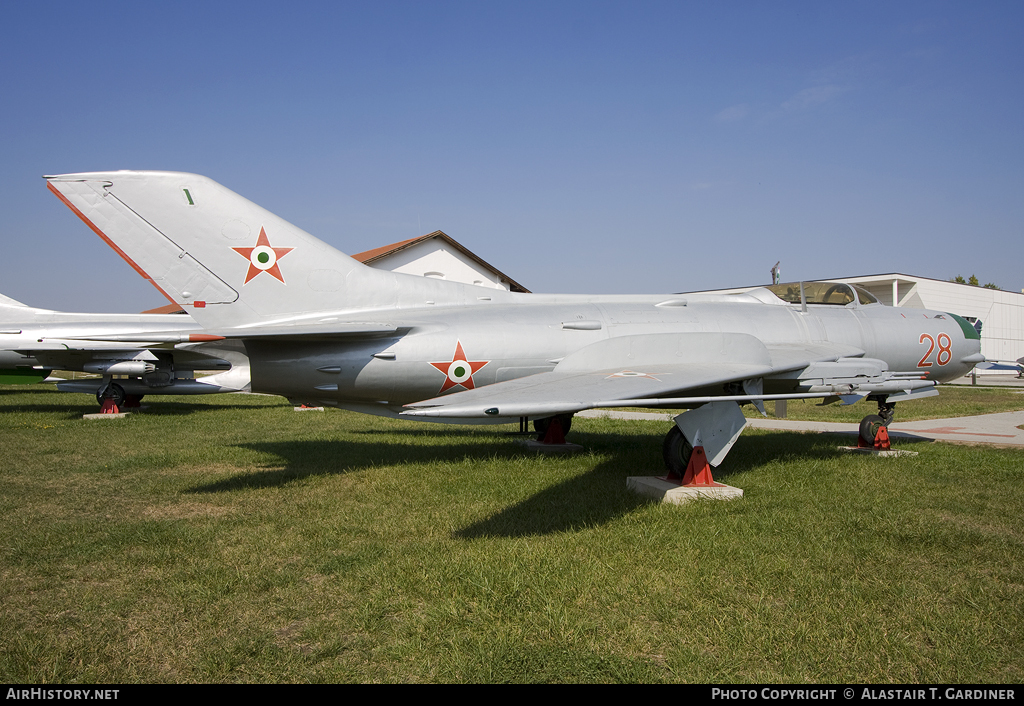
[113, 391]
[541, 425]
[677, 451]
[869, 427]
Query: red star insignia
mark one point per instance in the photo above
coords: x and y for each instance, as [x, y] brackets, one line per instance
[263, 258]
[459, 371]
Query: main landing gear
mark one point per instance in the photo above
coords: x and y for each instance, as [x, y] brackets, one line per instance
[552, 430]
[698, 438]
[677, 451]
[874, 433]
[110, 397]
[686, 465]
[714, 427]
[113, 400]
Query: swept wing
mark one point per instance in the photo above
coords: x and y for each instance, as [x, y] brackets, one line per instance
[666, 369]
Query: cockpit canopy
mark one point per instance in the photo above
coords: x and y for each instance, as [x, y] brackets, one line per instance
[830, 293]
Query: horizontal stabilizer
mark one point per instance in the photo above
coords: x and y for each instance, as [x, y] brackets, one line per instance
[312, 332]
[305, 331]
[143, 338]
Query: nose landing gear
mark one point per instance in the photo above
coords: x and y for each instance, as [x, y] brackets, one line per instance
[874, 433]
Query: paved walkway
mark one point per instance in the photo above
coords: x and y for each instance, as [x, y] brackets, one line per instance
[991, 380]
[1000, 428]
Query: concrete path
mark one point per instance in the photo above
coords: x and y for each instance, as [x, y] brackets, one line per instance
[991, 380]
[1000, 428]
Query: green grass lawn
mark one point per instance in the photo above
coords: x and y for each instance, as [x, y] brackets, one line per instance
[228, 538]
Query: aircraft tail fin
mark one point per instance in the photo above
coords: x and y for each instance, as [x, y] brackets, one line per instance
[225, 260]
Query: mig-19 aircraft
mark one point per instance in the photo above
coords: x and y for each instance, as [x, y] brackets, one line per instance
[323, 329]
[135, 354]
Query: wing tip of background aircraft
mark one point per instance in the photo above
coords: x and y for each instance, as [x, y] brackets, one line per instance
[6, 301]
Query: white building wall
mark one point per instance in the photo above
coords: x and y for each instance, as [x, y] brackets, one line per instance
[432, 259]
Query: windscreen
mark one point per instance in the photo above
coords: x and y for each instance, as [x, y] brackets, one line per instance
[832, 293]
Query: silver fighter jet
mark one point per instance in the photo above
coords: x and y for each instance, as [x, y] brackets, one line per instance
[322, 329]
[135, 354]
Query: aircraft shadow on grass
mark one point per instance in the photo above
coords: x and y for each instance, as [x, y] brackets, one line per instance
[302, 459]
[590, 499]
[600, 496]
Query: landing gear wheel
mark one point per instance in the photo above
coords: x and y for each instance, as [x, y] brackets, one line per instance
[869, 427]
[677, 451]
[113, 392]
[541, 425]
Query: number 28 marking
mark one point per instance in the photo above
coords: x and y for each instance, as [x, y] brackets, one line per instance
[945, 353]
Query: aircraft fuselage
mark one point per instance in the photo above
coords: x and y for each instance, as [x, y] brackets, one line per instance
[451, 349]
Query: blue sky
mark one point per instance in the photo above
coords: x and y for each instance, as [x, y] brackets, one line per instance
[602, 147]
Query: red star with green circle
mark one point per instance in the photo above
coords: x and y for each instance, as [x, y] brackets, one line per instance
[263, 258]
[459, 370]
